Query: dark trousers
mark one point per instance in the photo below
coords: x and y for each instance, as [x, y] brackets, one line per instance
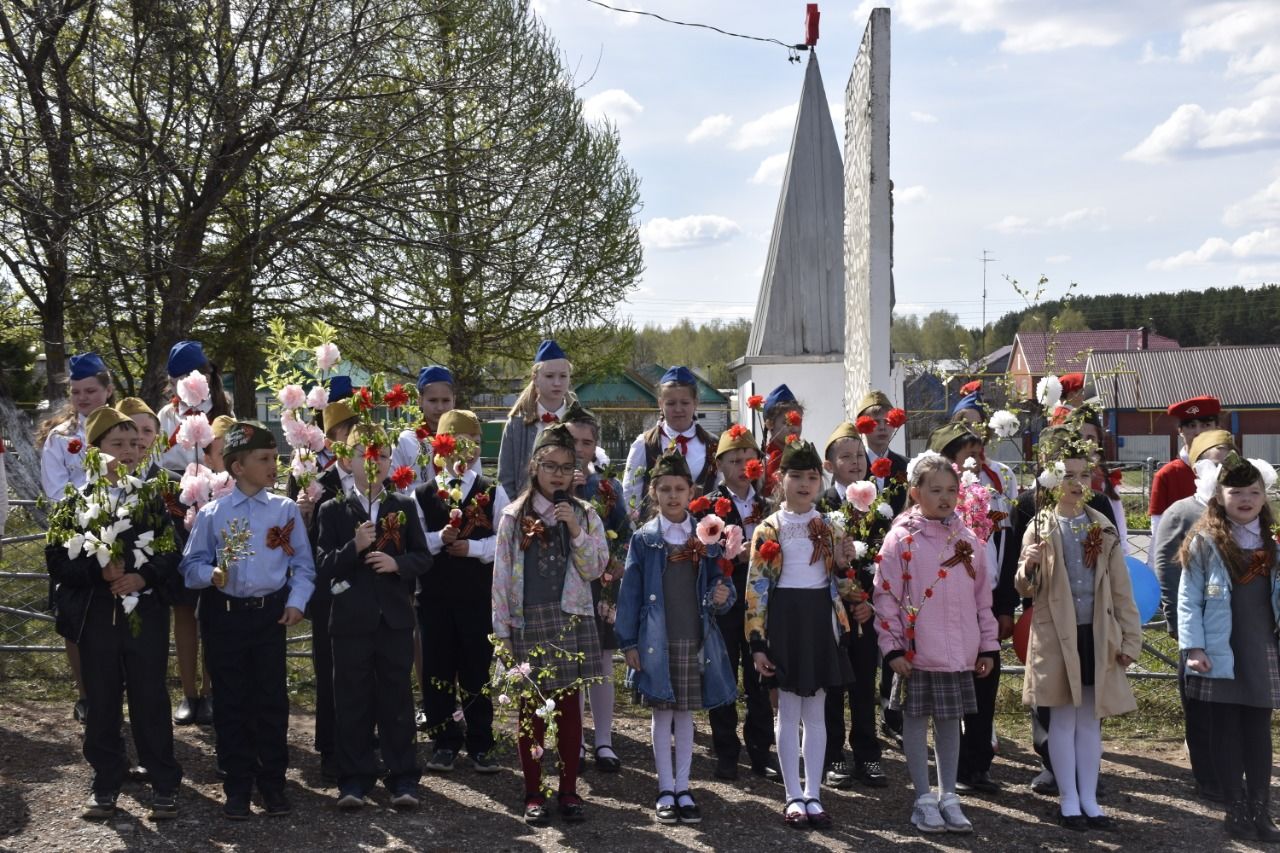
[892, 718]
[373, 688]
[1241, 745]
[1040, 736]
[1199, 719]
[245, 655]
[322, 663]
[757, 727]
[115, 665]
[864, 654]
[976, 751]
[456, 658]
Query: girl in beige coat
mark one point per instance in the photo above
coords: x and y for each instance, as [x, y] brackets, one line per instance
[1084, 632]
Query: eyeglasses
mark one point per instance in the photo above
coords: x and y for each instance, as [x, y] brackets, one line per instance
[553, 468]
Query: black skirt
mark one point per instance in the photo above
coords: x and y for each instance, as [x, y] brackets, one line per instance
[1084, 646]
[802, 642]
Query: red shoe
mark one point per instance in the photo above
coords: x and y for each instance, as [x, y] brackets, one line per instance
[817, 820]
[795, 820]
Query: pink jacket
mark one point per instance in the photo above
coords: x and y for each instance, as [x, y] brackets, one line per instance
[954, 622]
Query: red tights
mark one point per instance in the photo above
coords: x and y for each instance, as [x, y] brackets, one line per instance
[568, 741]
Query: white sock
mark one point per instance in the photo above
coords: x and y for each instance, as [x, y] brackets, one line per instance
[660, 731]
[602, 698]
[1062, 752]
[813, 715]
[1088, 753]
[915, 746]
[684, 749]
[786, 732]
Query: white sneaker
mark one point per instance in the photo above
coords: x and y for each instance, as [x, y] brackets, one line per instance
[926, 817]
[952, 815]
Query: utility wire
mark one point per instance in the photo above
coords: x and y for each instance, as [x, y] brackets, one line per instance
[791, 48]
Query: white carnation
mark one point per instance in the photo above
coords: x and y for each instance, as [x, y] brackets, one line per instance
[1049, 391]
[1004, 424]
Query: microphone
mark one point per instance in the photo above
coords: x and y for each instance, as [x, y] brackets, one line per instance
[562, 497]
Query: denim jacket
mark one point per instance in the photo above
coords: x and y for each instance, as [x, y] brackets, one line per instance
[1204, 607]
[642, 621]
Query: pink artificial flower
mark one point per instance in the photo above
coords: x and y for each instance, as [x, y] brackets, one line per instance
[297, 433]
[193, 389]
[195, 432]
[733, 543]
[314, 490]
[318, 398]
[194, 488]
[315, 438]
[861, 494]
[327, 356]
[455, 514]
[222, 485]
[292, 397]
[302, 463]
[709, 529]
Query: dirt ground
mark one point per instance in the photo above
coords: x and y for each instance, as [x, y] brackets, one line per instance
[44, 781]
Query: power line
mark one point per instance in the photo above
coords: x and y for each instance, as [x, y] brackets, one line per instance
[791, 48]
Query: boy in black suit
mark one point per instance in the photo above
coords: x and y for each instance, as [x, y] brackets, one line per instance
[371, 551]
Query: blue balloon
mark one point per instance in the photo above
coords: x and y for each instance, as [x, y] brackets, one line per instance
[1146, 588]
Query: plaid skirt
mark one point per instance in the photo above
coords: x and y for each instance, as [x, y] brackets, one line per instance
[1237, 691]
[941, 695]
[561, 647]
[686, 678]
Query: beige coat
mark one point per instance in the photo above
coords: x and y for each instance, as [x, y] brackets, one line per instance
[1053, 664]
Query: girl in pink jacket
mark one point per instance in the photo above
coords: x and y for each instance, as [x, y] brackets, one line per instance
[933, 608]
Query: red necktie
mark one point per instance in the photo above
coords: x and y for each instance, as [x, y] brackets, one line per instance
[993, 476]
[682, 441]
[549, 418]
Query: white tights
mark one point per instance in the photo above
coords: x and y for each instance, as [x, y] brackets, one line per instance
[1075, 748]
[601, 696]
[669, 779]
[794, 711]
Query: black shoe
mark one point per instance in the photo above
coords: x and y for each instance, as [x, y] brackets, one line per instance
[483, 762]
[666, 812]
[236, 808]
[535, 811]
[164, 806]
[690, 813]
[1262, 823]
[1101, 822]
[1045, 785]
[185, 713]
[328, 768]
[1075, 822]
[276, 803]
[837, 775]
[726, 767]
[871, 774]
[442, 760]
[351, 798]
[80, 712]
[138, 775]
[1238, 821]
[608, 763]
[405, 797]
[768, 769]
[99, 807]
[980, 782]
[571, 808]
[204, 714]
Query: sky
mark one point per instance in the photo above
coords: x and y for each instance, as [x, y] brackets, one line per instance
[1130, 147]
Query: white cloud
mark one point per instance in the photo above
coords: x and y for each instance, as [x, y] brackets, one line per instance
[1263, 207]
[1191, 131]
[767, 129]
[615, 105]
[1264, 244]
[1246, 31]
[910, 195]
[1026, 27]
[1057, 259]
[688, 232]
[1076, 217]
[1151, 56]
[1012, 224]
[710, 127]
[771, 170]
[923, 118]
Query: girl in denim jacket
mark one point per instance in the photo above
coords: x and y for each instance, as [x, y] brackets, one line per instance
[671, 586]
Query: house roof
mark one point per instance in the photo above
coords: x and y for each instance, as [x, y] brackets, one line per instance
[995, 356]
[1156, 379]
[1071, 349]
[626, 387]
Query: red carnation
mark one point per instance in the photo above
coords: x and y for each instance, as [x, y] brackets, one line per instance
[1116, 477]
[881, 468]
[910, 655]
[865, 424]
[885, 586]
[443, 494]
[793, 418]
[363, 400]
[737, 431]
[402, 477]
[75, 445]
[769, 549]
[906, 556]
[878, 558]
[753, 469]
[942, 573]
[895, 418]
[928, 593]
[423, 433]
[726, 567]
[850, 574]
[755, 401]
[699, 505]
[723, 506]
[371, 452]
[444, 444]
[793, 438]
[455, 521]
[396, 397]
[906, 576]
[884, 623]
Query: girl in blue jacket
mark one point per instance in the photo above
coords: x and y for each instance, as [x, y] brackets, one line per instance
[1228, 610]
[670, 588]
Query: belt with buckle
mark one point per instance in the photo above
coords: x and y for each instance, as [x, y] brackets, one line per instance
[255, 602]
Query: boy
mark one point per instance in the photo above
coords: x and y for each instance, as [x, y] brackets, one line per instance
[1175, 480]
[454, 604]
[876, 405]
[734, 450]
[371, 552]
[435, 397]
[251, 597]
[845, 459]
[116, 645]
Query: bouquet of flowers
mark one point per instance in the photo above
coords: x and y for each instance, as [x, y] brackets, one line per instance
[974, 503]
[604, 501]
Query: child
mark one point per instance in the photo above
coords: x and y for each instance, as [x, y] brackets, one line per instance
[604, 493]
[846, 461]
[795, 622]
[185, 358]
[673, 576]
[148, 429]
[877, 405]
[117, 645]
[435, 397]
[542, 403]
[783, 418]
[933, 611]
[371, 551]
[453, 607]
[1228, 607]
[677, 427]
[251, 596]
[1175, 480]
[735, 452]
[1073, 569]
[550, 547]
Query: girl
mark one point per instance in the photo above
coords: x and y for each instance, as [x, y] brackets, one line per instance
[148, 428]
[435, 397]
[186, 357]
[1228, 607]
[1084, 632]
[670, 575]
[783, 418]
[542, 403]
[676, 427]
[796, 624]
[935, 628]
[561, 542]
